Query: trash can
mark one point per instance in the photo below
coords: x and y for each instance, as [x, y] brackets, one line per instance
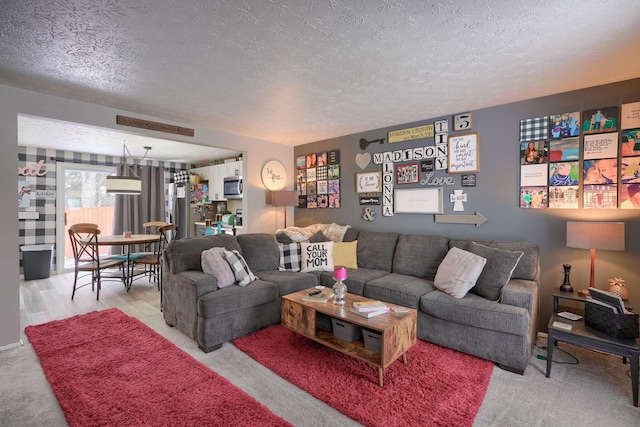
[36, 261]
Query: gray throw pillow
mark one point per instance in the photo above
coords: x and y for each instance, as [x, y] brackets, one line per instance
[496, 272]
[318, 237]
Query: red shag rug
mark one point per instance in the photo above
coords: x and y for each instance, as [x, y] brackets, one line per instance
[109, 369]
[438, 386]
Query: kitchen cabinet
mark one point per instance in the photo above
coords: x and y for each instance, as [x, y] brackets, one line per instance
[216, 175]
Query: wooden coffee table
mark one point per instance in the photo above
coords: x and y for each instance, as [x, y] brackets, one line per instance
[398, 330]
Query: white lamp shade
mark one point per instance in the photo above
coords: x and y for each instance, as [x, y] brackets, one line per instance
[124, 185]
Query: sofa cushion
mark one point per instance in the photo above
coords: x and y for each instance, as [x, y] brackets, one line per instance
[260, 250]
[474, 310]
[289, 282]
[496, 272]
[240, 269]
[458, 272]
[215, 263]
[316, 256]
[290, 258]
[234, 298]
[346, 254]
[419, 255]
[318, 236]
[184, 254]
[398, 289]
[528, 267]
[376, 249]
[356, 278]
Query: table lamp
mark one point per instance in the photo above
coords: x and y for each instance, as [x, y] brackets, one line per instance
[595, 235]
[284, 198]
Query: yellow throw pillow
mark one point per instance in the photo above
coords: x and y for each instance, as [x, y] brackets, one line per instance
[346, 253]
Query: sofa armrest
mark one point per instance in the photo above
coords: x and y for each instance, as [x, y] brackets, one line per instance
[180, 299]
[200, 282]
[521, 293]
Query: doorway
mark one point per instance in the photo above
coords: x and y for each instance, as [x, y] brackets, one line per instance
[81, 197]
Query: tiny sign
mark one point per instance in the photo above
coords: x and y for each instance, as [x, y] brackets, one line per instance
[28, 215]
[469, 180]
[47, 194]
[370, 200]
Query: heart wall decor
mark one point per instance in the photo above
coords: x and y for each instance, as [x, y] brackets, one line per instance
[363, 160]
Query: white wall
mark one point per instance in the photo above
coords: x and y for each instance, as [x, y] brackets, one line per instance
[258, 216]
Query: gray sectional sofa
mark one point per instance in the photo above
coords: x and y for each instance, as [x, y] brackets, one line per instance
[392, 267]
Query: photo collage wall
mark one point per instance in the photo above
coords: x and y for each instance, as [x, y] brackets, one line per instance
[591, 160]
[318, 179]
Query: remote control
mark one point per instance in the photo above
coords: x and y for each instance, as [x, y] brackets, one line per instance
[312, 293]
[570, 316]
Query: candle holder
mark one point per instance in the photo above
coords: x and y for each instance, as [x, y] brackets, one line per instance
[339, 288]
[566, 285]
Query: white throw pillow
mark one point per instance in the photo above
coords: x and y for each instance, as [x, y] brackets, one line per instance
[215, 264]
[458, 272]
[317, 256]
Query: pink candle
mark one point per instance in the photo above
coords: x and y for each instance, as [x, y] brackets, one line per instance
[339, 272]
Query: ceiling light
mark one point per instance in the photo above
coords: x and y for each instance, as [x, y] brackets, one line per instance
[128, 183]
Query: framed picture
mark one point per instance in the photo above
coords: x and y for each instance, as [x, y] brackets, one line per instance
[407, 173]
[368, 182]
[464, 153]
[418, 200]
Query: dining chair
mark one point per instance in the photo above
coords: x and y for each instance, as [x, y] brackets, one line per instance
[167, 234]
[149, 250]
[86, 256]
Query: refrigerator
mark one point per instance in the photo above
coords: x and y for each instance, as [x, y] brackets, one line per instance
[181, 197]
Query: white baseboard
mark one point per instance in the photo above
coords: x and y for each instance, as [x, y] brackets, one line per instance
[12, 345]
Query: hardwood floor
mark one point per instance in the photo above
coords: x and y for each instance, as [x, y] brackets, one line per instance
[50, 299]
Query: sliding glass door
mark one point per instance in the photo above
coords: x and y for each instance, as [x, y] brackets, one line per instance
[81, 198]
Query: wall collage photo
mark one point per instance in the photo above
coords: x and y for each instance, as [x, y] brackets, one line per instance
[591, 160]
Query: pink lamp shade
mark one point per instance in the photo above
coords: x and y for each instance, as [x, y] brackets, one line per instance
[595, 235]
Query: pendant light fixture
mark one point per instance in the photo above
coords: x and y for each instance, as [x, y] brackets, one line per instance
[127, 183]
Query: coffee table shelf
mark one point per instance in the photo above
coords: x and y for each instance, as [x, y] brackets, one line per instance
[397, 330]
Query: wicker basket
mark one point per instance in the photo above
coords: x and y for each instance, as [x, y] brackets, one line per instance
[603, 319]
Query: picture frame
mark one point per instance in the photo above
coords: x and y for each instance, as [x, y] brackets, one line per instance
[418, 200]
[464, 153]
[407, 173]
[369, 182]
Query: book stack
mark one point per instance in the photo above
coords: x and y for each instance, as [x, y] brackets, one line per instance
[369, 308]
[323, 296]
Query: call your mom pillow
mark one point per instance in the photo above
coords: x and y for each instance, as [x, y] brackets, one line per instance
[316, 256]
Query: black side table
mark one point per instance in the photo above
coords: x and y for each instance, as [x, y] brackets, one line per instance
[585, 336]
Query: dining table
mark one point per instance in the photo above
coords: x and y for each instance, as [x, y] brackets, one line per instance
[128, 240]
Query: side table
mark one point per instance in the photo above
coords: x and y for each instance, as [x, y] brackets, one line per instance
[585, 336]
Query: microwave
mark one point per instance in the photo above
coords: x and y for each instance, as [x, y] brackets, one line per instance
[233, 187]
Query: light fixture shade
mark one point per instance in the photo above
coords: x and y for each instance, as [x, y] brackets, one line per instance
[596, 235]
[131, 185]
[284, 198]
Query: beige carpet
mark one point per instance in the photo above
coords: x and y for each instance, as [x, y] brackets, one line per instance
[597, 391]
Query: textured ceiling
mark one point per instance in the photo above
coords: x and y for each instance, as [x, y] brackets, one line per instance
[293, 72]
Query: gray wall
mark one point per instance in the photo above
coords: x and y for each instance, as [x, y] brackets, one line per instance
[496, 193]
